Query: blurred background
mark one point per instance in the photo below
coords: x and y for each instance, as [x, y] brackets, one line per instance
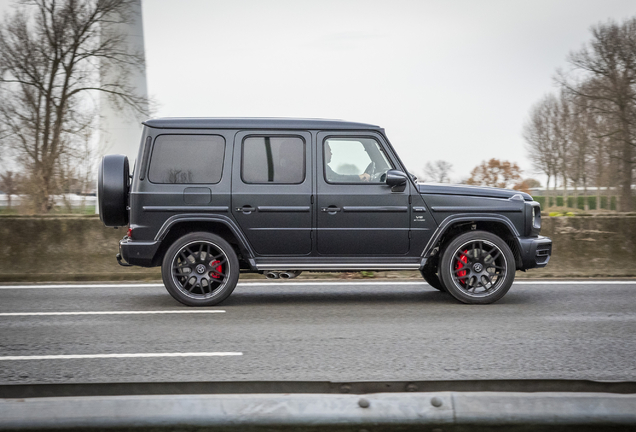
[492, 92]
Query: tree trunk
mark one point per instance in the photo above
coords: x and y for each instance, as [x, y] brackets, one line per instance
[576, 197]
[43, 199]
[626, 187]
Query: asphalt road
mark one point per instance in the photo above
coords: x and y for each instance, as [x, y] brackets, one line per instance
[340, 331]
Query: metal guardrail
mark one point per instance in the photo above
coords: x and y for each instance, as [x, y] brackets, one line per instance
[444, 411]
[439, 406]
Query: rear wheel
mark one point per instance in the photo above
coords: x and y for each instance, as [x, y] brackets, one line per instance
[200, 269]
[477, 267]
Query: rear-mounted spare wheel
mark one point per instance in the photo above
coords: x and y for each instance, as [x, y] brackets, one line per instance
[112, 190]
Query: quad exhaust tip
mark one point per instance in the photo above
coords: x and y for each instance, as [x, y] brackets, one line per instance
[287, 274]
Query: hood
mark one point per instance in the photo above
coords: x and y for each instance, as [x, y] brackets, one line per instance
[466, 190]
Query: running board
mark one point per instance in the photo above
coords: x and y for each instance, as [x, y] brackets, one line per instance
[337, 267]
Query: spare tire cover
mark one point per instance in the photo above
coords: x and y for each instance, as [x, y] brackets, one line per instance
[112, 190]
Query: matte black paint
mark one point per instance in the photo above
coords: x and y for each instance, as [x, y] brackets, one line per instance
[316, 225]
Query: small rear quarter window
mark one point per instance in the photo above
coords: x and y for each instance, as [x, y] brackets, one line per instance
[187, 159]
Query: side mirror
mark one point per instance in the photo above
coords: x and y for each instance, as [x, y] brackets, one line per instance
[396, 179]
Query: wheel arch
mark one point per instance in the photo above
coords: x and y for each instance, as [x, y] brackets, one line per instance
[459, 224]
[178, 226]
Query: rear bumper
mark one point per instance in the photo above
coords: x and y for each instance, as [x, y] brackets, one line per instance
[535, 252]
[138, 253]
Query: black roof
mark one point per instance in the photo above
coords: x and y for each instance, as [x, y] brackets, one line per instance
[254, 123]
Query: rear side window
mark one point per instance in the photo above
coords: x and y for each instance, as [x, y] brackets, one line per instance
[273, 160]
[187, 159]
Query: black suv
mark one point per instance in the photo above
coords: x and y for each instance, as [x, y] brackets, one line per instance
[211, 198]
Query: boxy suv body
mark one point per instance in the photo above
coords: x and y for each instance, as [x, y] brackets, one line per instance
[211, 198]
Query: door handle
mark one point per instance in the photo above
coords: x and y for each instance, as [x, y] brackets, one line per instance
[330, 209]
[246, 209]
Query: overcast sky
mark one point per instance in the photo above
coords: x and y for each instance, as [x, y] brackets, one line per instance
[451, 80]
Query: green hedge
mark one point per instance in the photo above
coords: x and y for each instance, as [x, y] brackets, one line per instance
[580, 202]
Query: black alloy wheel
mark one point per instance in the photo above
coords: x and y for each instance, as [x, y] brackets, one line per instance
[200, 269]
[477, 267]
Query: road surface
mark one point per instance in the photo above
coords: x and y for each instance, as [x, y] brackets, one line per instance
[322, 330]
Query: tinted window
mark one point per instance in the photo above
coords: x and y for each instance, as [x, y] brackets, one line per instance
[187, 159]
[273, 160]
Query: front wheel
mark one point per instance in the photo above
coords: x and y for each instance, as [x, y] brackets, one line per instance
[200, 269]
[477, 267]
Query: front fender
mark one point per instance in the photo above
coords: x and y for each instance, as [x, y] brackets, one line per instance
[452, 220]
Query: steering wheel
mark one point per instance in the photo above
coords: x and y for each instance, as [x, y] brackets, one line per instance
[375, 177]
[370, 169]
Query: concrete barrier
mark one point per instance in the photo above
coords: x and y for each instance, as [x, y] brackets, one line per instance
[586, 246]
[80, 248]
[62, 248]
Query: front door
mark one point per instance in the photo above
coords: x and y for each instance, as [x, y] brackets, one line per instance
[357, 213]
[271, 191]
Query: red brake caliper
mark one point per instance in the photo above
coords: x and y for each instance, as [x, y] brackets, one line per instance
[461, 264]
[218, 268]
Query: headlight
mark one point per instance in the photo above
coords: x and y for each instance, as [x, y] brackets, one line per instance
[536, 219]
[534, 214]
[533, 218]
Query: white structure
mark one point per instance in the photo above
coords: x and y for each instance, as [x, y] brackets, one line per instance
[120, 132]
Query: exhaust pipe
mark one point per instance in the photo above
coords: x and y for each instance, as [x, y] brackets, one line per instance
[272, 275]
[290, 274]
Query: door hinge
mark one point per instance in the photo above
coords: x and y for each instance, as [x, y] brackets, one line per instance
[410, 234]
[410, 199]
[312, 199]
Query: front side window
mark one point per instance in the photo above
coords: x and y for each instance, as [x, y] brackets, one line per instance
[354, 160]
[187, 159]
[273, 160]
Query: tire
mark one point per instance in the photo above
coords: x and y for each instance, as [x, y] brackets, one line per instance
[477, 267]
[200, 269]
[112, 190]
[430, 276]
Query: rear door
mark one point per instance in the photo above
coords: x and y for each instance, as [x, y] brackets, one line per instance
[271, 190]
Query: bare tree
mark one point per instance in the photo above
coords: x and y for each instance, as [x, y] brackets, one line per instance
[563, 135]
[605, 73]
[9, 182]
[52, 54]
[438, 171]
[540, 135]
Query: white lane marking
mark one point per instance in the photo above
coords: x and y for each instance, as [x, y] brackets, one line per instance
[379, 283]
[575, 282]
[382, 283]
[107, 356]
[15, 314]
[157, 285]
